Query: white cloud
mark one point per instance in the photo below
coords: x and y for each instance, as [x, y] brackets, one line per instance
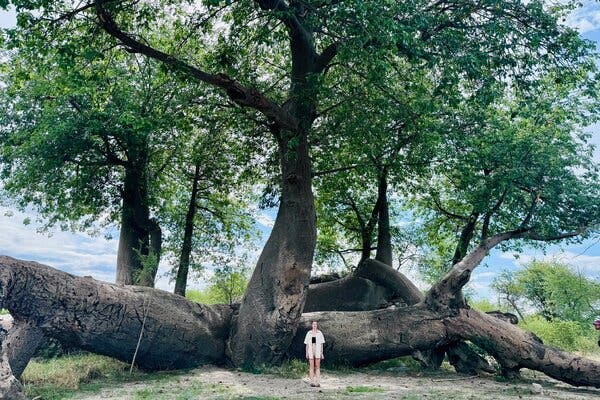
[586, 18]
[485, 276]
[265, 220]
[588, 265]
[76, 253]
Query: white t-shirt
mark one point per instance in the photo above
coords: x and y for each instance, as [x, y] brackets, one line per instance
[314, 349]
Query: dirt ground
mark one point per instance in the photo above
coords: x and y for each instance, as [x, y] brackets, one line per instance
[216, 383]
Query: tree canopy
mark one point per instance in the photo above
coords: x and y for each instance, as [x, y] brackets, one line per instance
[464, 116]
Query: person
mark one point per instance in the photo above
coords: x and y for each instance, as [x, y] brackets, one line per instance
[597, 327]
[314, 340]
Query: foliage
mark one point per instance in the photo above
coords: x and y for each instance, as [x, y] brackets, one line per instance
[518, 166]
[74, 120]
[484, 305]
[553, 290]
[226, 285]
[567, 335]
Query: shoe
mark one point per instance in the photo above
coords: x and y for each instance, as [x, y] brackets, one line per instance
[313, 385]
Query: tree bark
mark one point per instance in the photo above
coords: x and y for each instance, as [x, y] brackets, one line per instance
[384, 275]
[466, 236]
[10, 387]
[188, 233]
[272, 306]
[384, 238]
[150, 267]
[274, 300]
[21, 343]
[134, 235]
[107, 319]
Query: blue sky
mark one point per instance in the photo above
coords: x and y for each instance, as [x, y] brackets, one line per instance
[95, 256]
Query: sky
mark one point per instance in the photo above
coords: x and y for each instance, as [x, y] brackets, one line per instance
[95, 256]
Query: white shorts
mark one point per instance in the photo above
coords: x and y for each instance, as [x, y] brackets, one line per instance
[314, 351]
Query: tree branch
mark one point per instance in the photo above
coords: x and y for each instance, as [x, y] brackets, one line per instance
[447, 292]
[238, 93]
[330, 171]
[322, 61]
[441, 209]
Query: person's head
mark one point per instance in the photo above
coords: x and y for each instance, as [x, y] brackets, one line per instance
[315, 325]
[597, 323]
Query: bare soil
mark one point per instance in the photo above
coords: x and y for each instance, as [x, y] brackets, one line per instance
[217, 383]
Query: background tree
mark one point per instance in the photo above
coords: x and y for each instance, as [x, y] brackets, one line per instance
[553, 290]
[86, 136]
[502, 169]
[209, 186]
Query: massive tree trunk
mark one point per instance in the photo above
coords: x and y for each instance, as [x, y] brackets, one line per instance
[175, 333]
[188, 232]
[276, 293]
[272, 306]
[109, 319]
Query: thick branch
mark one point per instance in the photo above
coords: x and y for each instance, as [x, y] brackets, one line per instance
[238, 93]
[107, 318]
[447, 292]
[323, 60]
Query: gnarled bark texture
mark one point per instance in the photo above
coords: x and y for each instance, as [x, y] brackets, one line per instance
[21, 343]
[270, 310]
[10, 387]
[108, 319]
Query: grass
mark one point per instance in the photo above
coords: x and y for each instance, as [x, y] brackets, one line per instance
[363, 389]
[65, 377]
[292, 369]
[62, 377]
[160, 391]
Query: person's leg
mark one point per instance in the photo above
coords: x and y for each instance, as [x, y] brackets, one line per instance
[318, 367]
[311, 370]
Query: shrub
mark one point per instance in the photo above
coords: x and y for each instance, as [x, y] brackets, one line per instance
[567, 335]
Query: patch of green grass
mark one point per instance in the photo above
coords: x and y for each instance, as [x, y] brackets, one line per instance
[293, 369]
[160, 391]
[62, 377]
[363, 389]
[396, 365]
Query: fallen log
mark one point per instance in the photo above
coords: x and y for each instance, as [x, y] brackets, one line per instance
[108, 319]
[176, 333]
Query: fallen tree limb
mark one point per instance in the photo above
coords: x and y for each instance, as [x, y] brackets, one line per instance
[106, 319]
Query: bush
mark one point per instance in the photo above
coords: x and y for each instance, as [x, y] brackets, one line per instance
[567, 335]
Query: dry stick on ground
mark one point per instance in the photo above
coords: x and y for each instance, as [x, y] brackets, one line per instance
[137, 347]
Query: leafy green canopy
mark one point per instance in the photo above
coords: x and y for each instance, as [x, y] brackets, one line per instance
[520, 166]
[464, 46]
[74, 119]
[553, 290]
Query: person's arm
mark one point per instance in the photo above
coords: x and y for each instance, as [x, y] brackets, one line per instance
[322, 346]
[306, 342]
